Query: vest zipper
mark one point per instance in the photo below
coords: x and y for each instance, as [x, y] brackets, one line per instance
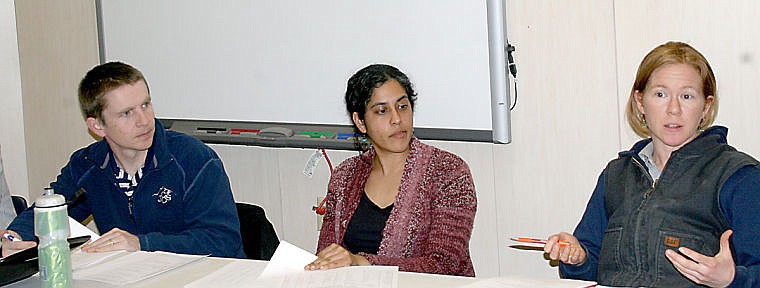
[650, 190]
[639, 216]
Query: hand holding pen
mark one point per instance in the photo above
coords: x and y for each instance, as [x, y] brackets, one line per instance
[565, 247]
[7, 235]
[13, 243]
[536, 241]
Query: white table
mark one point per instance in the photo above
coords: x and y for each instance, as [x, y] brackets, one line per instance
[194, 271]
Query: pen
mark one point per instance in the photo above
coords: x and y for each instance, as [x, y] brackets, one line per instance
[243, 131]
[10, 237]
[537, 241]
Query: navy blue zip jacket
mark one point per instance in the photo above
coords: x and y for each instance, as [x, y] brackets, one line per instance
[739, 199]
[182, 204]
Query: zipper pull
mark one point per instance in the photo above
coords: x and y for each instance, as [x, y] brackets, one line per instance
[130, 203]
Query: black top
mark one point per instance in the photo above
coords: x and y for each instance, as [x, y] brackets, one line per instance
[365, 230]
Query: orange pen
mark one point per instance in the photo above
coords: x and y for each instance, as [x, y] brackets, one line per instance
[537, 241]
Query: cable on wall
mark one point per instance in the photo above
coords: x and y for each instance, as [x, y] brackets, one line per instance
[512, 70]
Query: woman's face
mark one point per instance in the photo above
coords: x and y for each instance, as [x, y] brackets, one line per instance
[388, 120]
[673, 105]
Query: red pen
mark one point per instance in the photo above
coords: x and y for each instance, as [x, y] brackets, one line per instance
[537, 241]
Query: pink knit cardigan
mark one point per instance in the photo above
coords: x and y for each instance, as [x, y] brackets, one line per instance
[430, 225]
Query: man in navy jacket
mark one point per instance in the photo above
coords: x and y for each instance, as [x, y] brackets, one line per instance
[150, 188]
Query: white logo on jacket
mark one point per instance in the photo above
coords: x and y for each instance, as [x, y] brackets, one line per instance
[164, 195]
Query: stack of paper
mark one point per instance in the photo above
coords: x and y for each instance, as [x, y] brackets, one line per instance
[80, 259]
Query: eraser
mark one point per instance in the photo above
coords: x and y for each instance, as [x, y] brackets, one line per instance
[276, 132]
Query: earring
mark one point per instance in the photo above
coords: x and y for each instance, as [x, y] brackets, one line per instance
[363, 141]
[700, 127]
[643, 121]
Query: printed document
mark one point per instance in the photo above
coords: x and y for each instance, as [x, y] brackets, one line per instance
[130, 267]
[81, 259]
[344, 277]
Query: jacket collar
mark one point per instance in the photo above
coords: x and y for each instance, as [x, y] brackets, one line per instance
[158, 156]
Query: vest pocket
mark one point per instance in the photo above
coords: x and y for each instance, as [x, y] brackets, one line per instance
[609, 257]
[673, 240]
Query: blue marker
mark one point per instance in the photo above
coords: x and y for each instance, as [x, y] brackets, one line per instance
[346, 135]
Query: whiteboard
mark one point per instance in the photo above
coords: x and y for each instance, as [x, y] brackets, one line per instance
[289, 60]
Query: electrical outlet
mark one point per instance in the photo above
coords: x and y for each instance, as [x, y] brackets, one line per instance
[319, 217]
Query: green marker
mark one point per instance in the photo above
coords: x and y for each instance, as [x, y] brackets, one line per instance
[318, 134]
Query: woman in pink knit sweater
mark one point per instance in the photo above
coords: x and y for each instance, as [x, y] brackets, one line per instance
[400, 203]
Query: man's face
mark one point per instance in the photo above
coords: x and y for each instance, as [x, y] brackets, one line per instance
[128, 121]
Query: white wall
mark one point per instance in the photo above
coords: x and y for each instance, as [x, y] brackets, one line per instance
[12, 143]
[564, 125]
[576, 62]
[57, 44]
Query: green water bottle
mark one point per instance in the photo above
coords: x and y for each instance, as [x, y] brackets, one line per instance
[51, 225]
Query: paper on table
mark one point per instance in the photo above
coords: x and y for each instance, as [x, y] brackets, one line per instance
[77, 229]
[243, 273]
[134, 266]
[286, 270]
[344, 277]
[526, 282]
[287, 259]
[240, 273]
